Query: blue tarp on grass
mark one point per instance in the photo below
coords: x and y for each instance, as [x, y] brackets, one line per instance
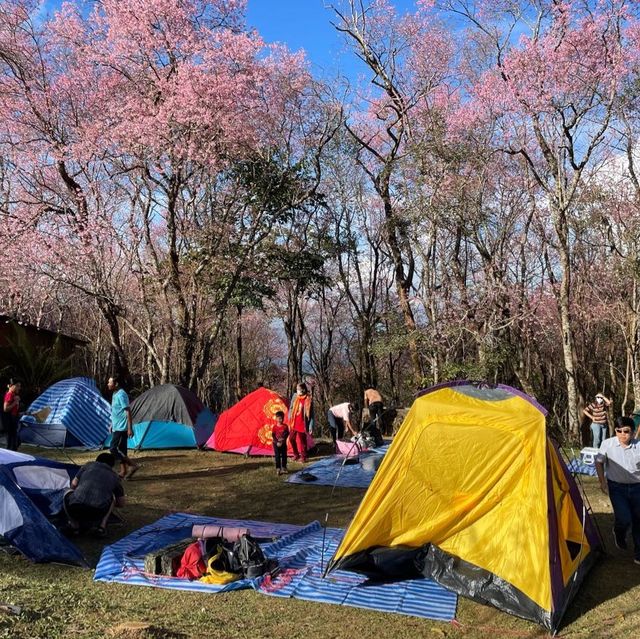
[303, 557]
[302, 553]
[336, 471]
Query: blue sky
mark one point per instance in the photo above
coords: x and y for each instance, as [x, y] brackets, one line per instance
[306, 24]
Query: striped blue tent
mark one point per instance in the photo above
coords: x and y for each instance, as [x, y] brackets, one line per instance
[71, 413]
[31, 490]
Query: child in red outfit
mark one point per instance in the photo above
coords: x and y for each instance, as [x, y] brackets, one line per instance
[279, 435]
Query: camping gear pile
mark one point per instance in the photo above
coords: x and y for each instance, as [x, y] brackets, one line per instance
[354, 446]
[585, 463]
[301, 552]
[362, 442]
[214, 555]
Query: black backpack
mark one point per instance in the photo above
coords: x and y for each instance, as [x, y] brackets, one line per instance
[166, 561]
[252, 559]
[227, 558]
[244, 557]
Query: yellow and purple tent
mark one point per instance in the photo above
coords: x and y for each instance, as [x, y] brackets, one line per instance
[472, 493]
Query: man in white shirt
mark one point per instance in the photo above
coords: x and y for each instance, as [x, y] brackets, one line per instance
[340, 417]
[619, 458]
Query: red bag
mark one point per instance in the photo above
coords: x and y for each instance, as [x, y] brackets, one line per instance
[192, 564]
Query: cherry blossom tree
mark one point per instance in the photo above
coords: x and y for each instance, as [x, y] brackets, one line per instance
[407, 58]
[154, 122]
[551, 90]
[60, 219]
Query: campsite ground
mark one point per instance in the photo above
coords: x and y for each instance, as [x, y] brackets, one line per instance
[59, 601]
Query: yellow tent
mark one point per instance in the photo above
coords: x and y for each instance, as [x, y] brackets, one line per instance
[473, 494]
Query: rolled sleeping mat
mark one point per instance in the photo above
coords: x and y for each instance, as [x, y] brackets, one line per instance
[228, 533]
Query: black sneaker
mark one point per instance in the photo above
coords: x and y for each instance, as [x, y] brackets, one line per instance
[621, 543]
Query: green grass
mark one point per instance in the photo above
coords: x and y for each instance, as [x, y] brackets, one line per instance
[60, 601]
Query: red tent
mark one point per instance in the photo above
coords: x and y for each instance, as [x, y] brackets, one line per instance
[246, 427]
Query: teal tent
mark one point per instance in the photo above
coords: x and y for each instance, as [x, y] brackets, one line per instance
[169, 416]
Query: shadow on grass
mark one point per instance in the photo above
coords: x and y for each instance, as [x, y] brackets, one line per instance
[141, 455]
[614, 575]
[217, 485]
[259, 495]
[207, 472]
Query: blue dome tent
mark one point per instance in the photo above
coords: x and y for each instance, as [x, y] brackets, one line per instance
[72, 413]
[169, 416]
[31, 490]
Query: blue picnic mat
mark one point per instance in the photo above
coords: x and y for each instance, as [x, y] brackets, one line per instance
[336, 471]
[302, 553]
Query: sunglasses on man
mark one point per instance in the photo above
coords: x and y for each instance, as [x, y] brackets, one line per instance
[626, 431]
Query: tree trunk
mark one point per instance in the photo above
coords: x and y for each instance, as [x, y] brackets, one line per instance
[402, 280]
[117, 355]
[564, 301]
[226, 391]
[239, 389]
[185, 311]
[294, 330]
[634, 346]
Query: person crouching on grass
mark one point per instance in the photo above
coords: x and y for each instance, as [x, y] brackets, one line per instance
[280, 435]
[619, 459]
[94, 493]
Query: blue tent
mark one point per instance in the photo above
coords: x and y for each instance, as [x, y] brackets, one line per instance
[71, 413]
[169, 416]
[31, 489]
